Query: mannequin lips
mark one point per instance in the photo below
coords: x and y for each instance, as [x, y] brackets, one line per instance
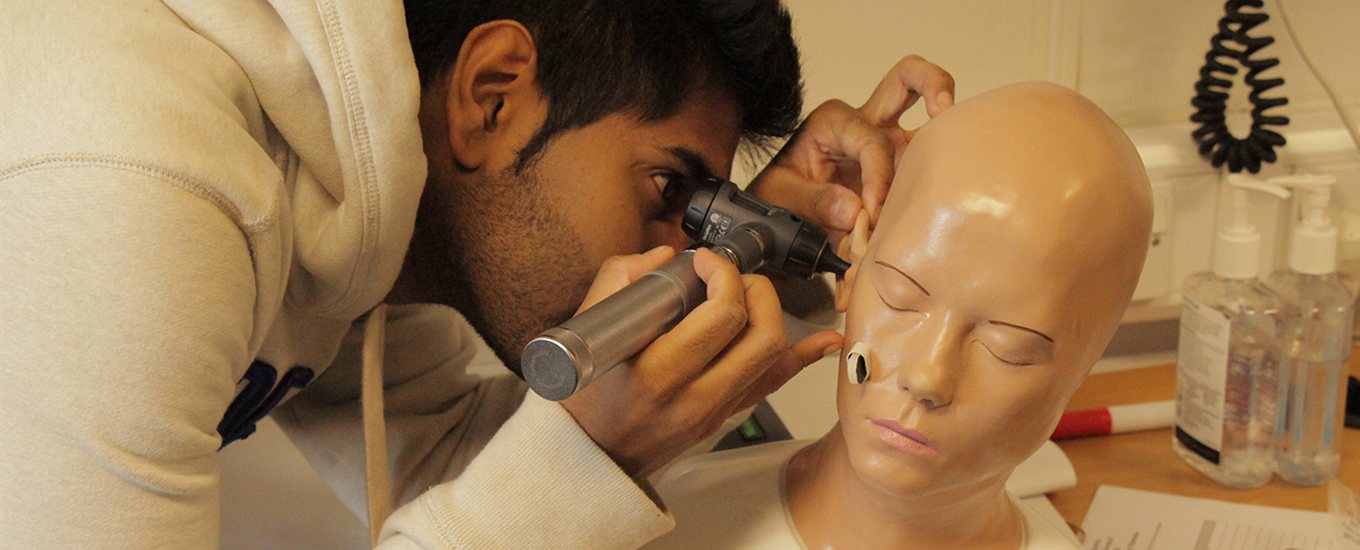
[899, 437]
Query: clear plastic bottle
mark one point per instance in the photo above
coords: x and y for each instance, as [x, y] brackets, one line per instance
[1311, 394]
[1224, 428]
[1311, 400]
[1228, 361]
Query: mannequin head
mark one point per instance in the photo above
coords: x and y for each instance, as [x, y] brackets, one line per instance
[999, 269]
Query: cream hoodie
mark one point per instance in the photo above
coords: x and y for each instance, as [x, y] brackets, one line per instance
[190, 186]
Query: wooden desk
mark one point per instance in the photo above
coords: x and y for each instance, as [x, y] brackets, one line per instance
[1144, 460]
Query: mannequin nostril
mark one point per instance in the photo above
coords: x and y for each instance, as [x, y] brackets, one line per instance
[932, 403]
[861, 371]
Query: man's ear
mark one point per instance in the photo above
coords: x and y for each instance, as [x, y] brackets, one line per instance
[491, 95]
[852, 248]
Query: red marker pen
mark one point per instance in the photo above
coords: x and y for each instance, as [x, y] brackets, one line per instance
[1115, 419]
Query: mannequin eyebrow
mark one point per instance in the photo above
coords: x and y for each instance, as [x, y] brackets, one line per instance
[992, 321]
[1024, 328]
[904, 274]
[694, 163]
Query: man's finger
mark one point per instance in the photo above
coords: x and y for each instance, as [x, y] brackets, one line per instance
[801, 354]
[705, 332]
[620, 271]
[756, 348]
[910, 79]
[828, 205]
[876, 156]
[849, 139]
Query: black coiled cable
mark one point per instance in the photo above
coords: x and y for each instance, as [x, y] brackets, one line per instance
[1216, 143]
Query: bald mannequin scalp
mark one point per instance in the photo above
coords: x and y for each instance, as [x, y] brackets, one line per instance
[1033, 156]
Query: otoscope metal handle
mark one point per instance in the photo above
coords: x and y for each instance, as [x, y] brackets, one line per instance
[567, 357]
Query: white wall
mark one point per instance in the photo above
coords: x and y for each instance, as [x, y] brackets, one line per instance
[848, 46]
[1137, 59]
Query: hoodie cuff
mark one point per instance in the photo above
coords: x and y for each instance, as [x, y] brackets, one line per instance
[542, 482]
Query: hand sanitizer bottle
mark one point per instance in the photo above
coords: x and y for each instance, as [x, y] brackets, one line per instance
[1227, 362]
[1312, 391]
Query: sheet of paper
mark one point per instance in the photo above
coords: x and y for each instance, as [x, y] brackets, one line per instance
[1129, 519]
[1345, 507]
[1045, 508]
[1045, 471]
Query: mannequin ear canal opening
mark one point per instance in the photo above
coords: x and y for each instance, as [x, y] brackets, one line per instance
[857, 363]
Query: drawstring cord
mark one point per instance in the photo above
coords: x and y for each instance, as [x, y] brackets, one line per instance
[375, 429]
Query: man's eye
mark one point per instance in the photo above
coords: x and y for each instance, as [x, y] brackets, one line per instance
[675, 190]
[668, 185]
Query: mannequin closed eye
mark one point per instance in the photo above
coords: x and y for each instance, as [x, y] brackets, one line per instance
[1015, 345]
[1010, 357]
[898, 290]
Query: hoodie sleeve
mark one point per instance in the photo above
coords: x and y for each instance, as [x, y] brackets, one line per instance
[474, 462]
[125, 302]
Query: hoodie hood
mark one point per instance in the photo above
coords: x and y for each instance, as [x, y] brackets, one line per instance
[338, 82]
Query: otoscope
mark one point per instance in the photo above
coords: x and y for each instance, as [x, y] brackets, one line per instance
[721, 217]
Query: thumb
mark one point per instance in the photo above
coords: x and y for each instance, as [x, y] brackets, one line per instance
[620, 271]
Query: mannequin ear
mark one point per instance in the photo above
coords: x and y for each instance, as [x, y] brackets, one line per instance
[491, 91]
[852, 248]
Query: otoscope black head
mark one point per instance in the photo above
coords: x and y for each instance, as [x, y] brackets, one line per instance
[810, 253]
[703, 200]
[791, 245]
[831, 263]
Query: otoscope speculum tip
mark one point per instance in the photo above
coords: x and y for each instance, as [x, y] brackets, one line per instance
[829, 262]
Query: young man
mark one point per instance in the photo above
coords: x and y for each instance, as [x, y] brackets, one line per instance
[202, 202]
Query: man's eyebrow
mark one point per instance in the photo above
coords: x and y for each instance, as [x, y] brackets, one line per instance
[904, 274]
[1026, 329]
[693, 161]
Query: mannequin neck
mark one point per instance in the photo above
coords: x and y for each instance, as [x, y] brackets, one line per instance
[832, 507]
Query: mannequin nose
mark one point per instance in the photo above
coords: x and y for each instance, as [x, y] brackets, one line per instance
[929, 378]
[928, 385]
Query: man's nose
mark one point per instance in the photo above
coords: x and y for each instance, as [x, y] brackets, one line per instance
[929, 371]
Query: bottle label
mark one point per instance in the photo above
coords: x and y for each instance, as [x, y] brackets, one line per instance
[1201, 378]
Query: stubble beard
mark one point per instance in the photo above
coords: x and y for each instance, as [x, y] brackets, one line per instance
[498, 252]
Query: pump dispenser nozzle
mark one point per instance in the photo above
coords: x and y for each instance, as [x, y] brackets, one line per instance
[1312, 249]
[1237, 247]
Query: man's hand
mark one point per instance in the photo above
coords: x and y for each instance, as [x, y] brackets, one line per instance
[841, 154]
[727, 355]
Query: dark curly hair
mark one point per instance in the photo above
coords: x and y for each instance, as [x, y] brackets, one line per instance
[597, 57]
